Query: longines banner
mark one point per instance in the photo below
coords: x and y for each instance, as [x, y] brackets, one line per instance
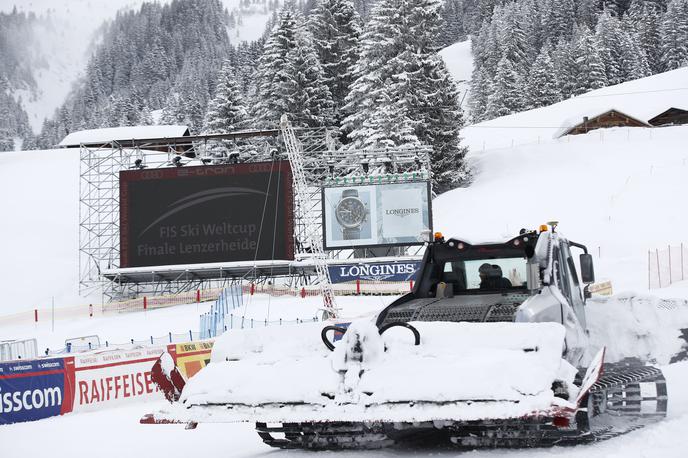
[376, 215]
[190, 215]
[374, 271]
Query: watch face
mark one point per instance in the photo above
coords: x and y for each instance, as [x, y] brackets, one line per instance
[350, 212]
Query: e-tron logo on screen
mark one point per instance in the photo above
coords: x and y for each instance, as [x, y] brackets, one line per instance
[206, 214]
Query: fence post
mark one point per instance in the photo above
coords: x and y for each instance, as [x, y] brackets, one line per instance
[670, 279]
[145, 302]
[35, 315]
[198, 295]
[253, 288]
[90, 310]
[151, 340]
[659, 274]
[170, 334]
[190, 335]
[411, 285]
[358, 286]
[303, 292]
[649, 277]
[682, 277]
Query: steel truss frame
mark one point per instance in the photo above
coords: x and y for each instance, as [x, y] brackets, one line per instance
[323, 162]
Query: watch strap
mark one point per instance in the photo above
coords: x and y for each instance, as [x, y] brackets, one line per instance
[352, 233]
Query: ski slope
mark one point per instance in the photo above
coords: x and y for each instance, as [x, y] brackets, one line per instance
[459, 62]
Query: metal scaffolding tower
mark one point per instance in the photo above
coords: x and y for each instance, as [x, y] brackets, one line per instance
[322, 161]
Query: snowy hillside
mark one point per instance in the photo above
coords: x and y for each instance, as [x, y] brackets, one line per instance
[641, 98]
[459, 62]
[617, 190]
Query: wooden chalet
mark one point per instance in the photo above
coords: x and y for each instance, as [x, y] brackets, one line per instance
[609, 118]
[671, 117]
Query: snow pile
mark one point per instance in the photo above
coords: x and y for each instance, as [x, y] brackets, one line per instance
[637, 326]
[287, 374]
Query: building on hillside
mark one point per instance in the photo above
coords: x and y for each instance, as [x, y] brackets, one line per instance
[112, 137]
[608, 118]
[671, 117]
[631, 116]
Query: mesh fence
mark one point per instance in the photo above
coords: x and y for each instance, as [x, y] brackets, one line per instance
[373, 288]
[666, 266]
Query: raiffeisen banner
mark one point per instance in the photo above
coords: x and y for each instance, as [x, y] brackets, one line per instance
[374, 271]
[376, 215]
[114, 378]
[31, 390]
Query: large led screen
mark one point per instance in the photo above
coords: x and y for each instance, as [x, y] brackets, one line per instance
[204, 214]
[376, 215]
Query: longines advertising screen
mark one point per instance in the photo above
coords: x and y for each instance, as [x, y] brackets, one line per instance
[215, 213]
[376, 215]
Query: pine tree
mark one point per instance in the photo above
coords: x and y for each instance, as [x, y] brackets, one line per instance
[226, 111]
[443, 122]
[542, 87]
[403, 94]
[558, 19]
[481, 88]
[308, 99]
[674, 35]
[336, 29]
[642, 21]
[507, 96]
[608, 34]
[564, 68]
[590, 72]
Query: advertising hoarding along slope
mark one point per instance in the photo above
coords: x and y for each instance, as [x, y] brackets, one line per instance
[204, 214]
[376, 215]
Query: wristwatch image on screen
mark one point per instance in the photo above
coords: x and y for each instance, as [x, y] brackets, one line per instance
[351, 213]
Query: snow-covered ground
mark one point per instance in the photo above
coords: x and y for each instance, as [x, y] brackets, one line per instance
[459, 62]
[116, 433]
[119, 328]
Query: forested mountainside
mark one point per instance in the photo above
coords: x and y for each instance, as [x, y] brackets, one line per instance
[369, 67]
[18, 60]
[532, 53]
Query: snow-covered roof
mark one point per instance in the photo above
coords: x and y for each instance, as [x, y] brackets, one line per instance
[570, 123]
[110, 134]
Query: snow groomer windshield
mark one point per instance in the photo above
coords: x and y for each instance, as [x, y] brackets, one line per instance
[457, 267]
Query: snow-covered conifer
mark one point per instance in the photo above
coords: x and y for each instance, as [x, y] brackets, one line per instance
[226, 111]
[507, 95]
[674, 35]
[590, 72]
[336, 29]
[542, 88]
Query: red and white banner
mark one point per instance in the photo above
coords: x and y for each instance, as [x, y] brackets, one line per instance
[114, 378]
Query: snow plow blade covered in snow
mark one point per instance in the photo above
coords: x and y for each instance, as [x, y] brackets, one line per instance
[489, 350]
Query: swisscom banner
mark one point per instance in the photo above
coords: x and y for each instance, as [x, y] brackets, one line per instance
[215, 213]
[31, 390]
[376, 215]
